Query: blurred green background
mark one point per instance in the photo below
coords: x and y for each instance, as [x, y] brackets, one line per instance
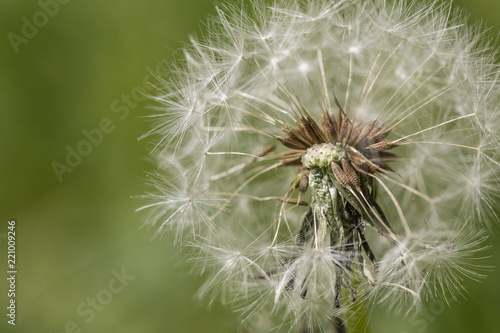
[75, 234]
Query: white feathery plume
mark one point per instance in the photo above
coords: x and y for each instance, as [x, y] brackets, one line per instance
[321, 156]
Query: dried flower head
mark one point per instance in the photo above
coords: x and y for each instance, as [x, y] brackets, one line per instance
[324, 154]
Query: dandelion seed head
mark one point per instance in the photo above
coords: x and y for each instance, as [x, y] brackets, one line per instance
[322, 154]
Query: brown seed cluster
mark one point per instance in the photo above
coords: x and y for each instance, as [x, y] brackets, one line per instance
[363, 144]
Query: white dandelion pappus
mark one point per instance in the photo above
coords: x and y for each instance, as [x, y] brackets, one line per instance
[330, 153]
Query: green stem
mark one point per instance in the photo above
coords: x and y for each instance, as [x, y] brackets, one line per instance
[339, 325]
